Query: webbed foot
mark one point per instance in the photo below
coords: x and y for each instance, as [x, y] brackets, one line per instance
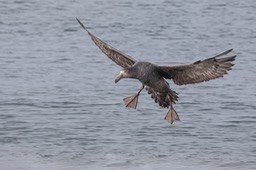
[171, 116]
[131, 101]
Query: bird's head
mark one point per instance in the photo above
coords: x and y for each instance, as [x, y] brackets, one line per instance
[123, 74]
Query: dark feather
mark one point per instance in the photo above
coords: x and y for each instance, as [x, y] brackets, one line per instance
[199, 71]
[115, 55]
[163, 99]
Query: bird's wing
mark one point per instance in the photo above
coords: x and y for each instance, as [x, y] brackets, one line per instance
[115, 55]
[199, 71]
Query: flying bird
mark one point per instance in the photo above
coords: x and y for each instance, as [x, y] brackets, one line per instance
[153, 77]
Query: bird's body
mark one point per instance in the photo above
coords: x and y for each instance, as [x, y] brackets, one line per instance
[150, 76]
[154, 76]
[147, 73]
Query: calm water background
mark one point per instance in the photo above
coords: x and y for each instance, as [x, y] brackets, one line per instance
[60, 108]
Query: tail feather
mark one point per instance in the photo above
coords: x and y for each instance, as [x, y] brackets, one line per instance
[163, 99]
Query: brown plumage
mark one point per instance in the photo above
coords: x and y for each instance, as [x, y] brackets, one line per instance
[153, 76]
[199, 71]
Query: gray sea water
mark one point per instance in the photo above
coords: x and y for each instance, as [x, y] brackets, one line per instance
[60, 108]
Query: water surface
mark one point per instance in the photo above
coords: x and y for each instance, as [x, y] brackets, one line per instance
[60, 108]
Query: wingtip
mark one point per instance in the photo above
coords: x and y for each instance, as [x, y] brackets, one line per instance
[228, 51]
[234, 58]
[223, 53]
[82, 25]
[78, 20]
[231, 49]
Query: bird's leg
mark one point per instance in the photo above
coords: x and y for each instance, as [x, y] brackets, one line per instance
[171, 115]
[132, 101]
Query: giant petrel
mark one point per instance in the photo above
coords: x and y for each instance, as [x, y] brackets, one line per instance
[153, 76]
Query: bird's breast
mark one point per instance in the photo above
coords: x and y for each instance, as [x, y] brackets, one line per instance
[159, 84]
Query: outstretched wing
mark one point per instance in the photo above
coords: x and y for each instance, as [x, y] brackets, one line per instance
[199, 71]
[115, 55]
